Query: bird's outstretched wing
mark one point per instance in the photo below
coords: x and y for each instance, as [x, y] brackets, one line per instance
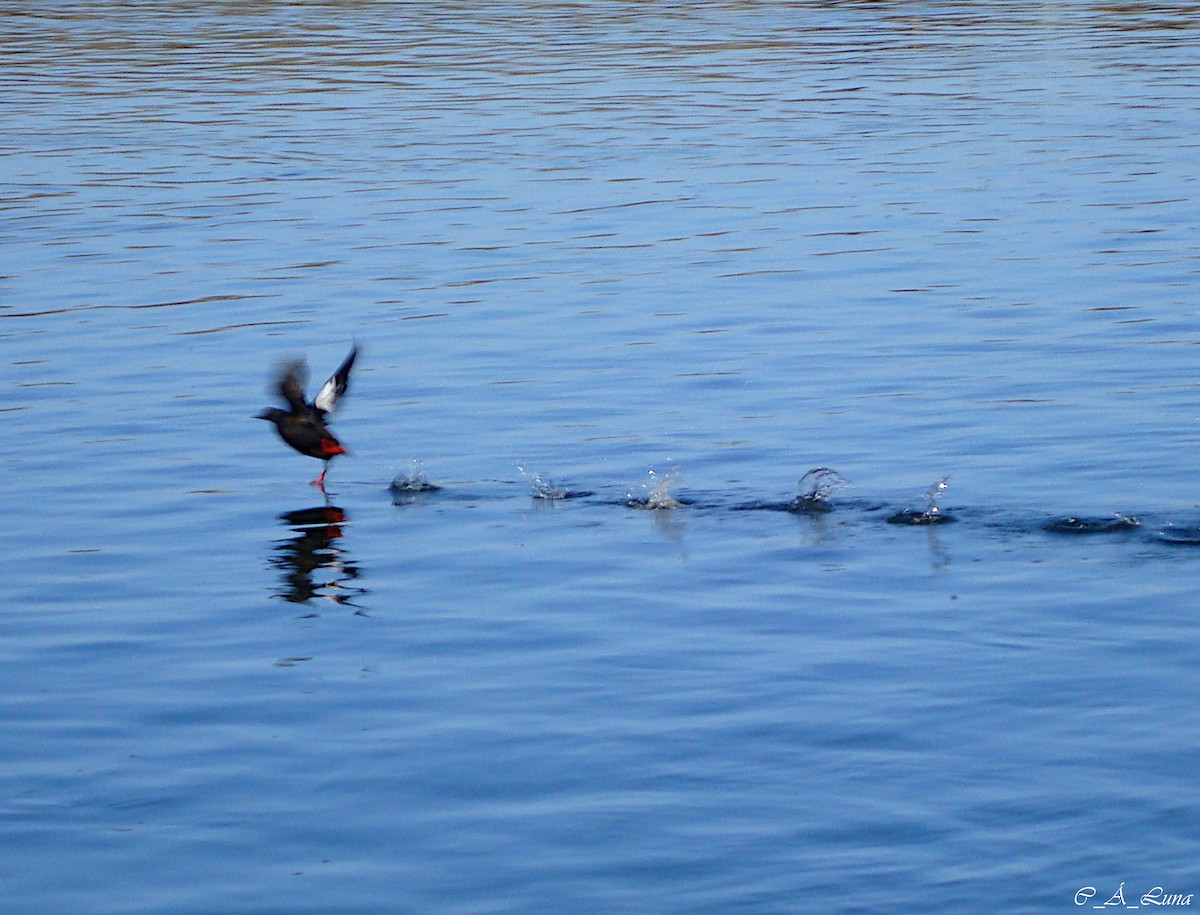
[293, 379]
[327, 398]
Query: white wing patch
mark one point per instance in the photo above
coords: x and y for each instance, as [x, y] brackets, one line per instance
[327, 397]
[335, 387]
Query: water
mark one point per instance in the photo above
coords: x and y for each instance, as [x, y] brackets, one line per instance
[726, 242]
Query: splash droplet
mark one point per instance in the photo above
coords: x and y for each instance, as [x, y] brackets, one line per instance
[814, 490]
[932, 514]
[658, 493]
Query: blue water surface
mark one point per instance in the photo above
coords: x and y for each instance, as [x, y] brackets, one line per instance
[577, 243]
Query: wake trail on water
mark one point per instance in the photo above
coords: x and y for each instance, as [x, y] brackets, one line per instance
[817, 494]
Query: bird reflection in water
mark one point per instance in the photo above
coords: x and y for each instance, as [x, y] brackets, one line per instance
[313, 563]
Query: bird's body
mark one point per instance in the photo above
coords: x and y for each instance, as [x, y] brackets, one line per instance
[303, 425]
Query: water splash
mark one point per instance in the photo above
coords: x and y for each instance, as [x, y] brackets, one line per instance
[1117, 523]
[933, 514]
[933, 493]
[1178, 535]
[406, 485]
[541, 487]
[814, 490]
[658, 493]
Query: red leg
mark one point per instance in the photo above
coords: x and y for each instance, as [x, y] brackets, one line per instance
[319, 482]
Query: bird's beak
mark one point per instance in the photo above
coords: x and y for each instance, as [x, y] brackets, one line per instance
[262, 415]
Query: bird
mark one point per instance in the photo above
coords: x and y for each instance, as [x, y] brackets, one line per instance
[303, 424]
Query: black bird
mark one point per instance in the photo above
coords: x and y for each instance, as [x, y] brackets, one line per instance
[303, 425]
